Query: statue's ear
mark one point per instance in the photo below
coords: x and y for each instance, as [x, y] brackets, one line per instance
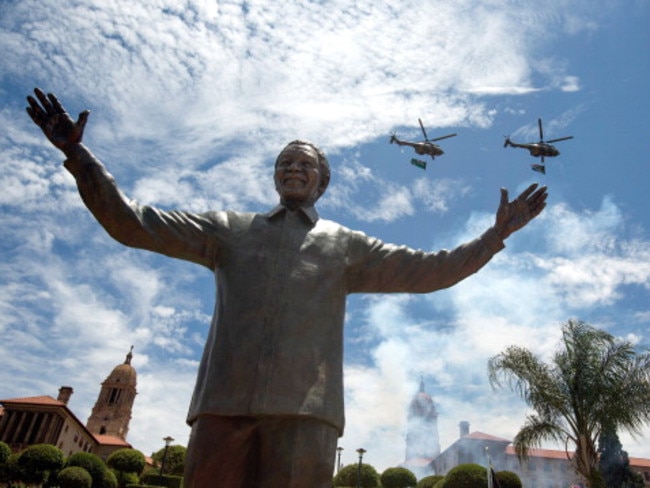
[324, 182]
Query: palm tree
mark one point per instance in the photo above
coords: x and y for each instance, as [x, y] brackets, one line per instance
[593, 380]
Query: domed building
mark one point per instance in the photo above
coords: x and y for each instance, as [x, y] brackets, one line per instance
[44, 419]
[422, 440]
[112, 412]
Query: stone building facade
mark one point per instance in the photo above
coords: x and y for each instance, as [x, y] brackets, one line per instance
[47, 420]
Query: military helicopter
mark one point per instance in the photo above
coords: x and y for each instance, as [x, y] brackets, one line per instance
[427, 147]
[539, 149]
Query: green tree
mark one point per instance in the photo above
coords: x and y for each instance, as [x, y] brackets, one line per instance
[92, 464]
[467, 475]
[5, 455]
[174, 461]
[398, 478]
[127, 461]
[614, 463]
[508, 479]
[39, 463]
[127, 465]
[13, 473]
[125, 478]
[593, 379]
[109, 480]
[74, 477]
[429, 481]
[347, 476]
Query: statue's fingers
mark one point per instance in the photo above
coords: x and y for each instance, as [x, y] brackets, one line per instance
[55, 103]
[535, 211]
[35, 111]
[526, 193]
[47, 106]
[33, 116]
[83, 118]
[540, 195]
[504, 196]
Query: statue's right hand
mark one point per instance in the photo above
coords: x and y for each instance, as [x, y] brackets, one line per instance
[54, 121]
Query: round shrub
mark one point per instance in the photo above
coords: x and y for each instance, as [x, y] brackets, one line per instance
[127, 461]
[5, 452]
[468, 475]
[174, 457]
[398, 478]
[37, 462]
[5, 455]
[74, 477]
[429, 481]
[347, 476]
[508, 479]
[125, 478]
[109, 480]
[91, 463]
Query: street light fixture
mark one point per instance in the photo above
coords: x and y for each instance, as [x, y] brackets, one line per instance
[168, 440]
[361, 451]
[338, 463]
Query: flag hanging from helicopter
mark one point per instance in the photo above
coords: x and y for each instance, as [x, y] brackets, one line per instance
[419, 163]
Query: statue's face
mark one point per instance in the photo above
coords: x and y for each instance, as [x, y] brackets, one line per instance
[298, 176]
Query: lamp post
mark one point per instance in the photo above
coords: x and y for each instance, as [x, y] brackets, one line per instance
[168, 440]
[338, 462]
[361, 450]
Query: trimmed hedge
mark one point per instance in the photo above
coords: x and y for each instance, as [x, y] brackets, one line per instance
[398, 478]
[74, 477]
[348, 476]
[91, 463]
[37, 463]
[166, 481]
[469, 475]
[429, 481]
[508, 479]
[127, 461]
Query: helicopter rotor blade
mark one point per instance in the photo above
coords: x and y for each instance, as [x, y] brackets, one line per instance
[541, 132]
[443, 137]
[423, 131]
[560, 139]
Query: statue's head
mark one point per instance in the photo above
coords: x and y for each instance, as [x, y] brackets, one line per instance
[302, 174]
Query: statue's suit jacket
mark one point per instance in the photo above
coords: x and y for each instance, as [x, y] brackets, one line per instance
[275, 346]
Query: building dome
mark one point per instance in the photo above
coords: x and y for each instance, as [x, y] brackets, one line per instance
[422, 442]
[124, 373]
[422, 405]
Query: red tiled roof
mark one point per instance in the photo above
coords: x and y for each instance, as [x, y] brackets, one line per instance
[110, 440]
[639, 462]
[542, 453]
[485, 437]
[37, 400]
[559, 454]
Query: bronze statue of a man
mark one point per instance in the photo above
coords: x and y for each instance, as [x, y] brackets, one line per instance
[267, 407]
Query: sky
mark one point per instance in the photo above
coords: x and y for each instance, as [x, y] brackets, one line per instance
[192, 100]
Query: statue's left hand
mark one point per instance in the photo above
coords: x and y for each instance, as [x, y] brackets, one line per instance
[512, 216]
[54, 121]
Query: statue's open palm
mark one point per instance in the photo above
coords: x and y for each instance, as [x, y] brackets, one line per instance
[54, 121]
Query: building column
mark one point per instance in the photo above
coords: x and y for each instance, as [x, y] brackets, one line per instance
[16, 433]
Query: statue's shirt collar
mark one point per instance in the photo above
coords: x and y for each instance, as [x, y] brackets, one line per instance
[308, 213]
